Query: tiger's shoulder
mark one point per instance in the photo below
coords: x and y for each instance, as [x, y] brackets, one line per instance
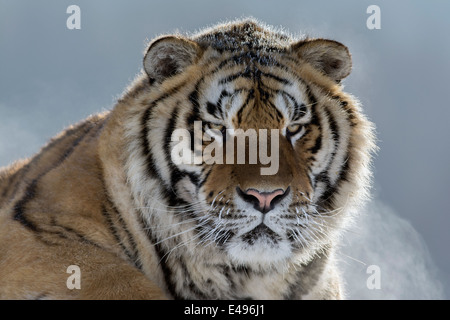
[20, 174]
[55, 181]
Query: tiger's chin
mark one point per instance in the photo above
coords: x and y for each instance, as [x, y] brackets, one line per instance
[260, 247]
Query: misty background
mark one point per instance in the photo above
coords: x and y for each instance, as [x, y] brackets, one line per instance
[51, 77]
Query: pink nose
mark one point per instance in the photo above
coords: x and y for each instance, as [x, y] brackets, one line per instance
[264, 201]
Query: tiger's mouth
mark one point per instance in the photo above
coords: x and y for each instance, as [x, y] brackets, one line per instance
[259, 241]
[261, 246]
[261, 233]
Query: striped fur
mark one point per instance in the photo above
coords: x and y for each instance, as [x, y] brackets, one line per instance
[105, 194]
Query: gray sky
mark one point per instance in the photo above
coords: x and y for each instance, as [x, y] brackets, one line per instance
[51, 77]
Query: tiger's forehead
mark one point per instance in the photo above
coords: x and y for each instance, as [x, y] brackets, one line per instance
[247, 83]
[253, 111]
[246, 35]
[251, 94]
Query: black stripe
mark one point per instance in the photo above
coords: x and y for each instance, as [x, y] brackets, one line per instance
[343, 174]
[315, 118]
[150, 166]
[223, 95]
[350, 113]
[299, 111]
[205, 178]
[333, 126]
[194, 179]
[19, 208]
[327, 197]
[243, 74]
[161, 254]
[81, 237]
[264, 95]
[16, 178]
[276, 78]
[279, 114]
[6, 182]
[215, 108]
[148, 162]
[250, 95]
[187, 279]
[307, 276]
[311, 98]
[299, 108]
[114, 231]
[175, 173]
[246, 57]
[195, 113]
[212, 108]
[166, 271]
[317, 144]
[30, 192]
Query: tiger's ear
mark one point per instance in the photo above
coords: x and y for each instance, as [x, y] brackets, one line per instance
[330, 57]
[168, 56]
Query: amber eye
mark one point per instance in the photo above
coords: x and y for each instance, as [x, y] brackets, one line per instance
[215, 126]
[293, 129]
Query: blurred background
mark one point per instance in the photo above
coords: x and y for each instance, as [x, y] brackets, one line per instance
[51, 77]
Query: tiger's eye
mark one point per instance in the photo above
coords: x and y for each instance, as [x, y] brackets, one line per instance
[218, 127]
[293, 129]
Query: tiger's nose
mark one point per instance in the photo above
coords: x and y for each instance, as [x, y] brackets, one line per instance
[263, 201]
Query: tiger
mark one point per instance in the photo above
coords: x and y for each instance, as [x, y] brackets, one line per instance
[108, 197]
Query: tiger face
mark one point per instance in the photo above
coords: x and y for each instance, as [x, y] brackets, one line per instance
[227, 91]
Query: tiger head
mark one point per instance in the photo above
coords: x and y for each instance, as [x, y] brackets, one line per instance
[243, 88]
